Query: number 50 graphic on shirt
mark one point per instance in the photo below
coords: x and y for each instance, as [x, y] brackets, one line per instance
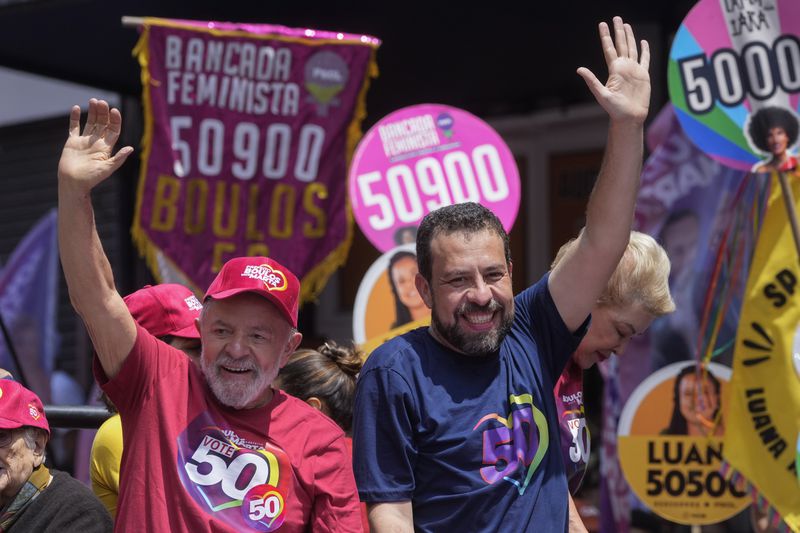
[212, 452]
[241, 486]
[514, 446]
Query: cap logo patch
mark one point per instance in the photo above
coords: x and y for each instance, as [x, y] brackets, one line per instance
[274, 280]
[193, 303]
[33, 411]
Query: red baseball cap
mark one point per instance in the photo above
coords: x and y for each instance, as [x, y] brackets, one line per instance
[20, 407]
[262, 276]
[165, 309]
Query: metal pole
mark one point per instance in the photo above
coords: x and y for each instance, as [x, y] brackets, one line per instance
[76, 416]
[132, 22]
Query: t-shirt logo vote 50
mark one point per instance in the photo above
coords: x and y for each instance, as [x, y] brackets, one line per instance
[242, 483]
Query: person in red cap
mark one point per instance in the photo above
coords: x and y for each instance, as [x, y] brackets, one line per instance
[213, 448]
[168, 312]
[32, 497]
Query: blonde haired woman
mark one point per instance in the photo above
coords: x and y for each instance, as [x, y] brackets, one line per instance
[636, 294]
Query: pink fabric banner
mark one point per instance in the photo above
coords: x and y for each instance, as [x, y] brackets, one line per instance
[249, 130]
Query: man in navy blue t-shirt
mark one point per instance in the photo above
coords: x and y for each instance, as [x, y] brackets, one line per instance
[455, 426]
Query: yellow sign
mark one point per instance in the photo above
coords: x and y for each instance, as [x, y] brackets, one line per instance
[670, 444]
[765, 390]
[387, 303]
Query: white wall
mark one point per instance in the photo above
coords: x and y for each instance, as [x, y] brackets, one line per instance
[29, 97]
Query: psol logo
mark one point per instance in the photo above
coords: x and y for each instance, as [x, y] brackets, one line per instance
[33, 411]
[274, 280]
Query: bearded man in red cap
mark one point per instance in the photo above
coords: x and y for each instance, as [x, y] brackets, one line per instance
[32, 497]
[214, 448]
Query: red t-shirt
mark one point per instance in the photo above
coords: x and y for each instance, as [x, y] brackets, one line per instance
[192, 464]
[364, 514]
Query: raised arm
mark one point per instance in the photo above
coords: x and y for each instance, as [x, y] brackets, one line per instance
[86, 161]
[579, 279]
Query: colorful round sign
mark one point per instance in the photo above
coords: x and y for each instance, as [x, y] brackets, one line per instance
[423, 157]
[672, 457]
[387, 302]
[730, 60]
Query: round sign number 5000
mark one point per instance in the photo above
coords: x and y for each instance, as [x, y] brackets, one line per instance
[729, 77]
[458, 178]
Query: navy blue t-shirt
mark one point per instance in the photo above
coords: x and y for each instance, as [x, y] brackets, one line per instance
[472, 442]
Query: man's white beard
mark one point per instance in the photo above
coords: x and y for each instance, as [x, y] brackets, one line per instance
[235, 395]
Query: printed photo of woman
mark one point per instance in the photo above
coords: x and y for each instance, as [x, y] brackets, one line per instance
[407, 302]
[696, 404]
[774, 130]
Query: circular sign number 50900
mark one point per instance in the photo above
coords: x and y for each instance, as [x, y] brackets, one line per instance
[424, 157]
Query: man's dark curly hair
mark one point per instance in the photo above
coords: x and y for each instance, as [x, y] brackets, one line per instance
[468, 217]
[767, 118]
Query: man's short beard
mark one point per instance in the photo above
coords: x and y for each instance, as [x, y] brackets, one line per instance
[475, 344]
[237, 396]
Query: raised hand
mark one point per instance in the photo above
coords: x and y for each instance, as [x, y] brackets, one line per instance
[626, 93]
[86, 159]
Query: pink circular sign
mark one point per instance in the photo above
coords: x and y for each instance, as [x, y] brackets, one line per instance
[423, 157]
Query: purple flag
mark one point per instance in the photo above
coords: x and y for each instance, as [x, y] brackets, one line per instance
[248, 133]
[28, 299]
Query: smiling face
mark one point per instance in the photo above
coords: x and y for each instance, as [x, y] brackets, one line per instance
[17, 462]
[470, 291]
[611, 328]
[404, 271]
[245, 342]
[777, 141]
[697, 406]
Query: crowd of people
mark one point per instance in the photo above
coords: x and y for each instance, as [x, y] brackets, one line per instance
[223, 424]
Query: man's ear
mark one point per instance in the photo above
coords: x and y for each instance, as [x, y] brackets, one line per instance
[41, 444]
[424, 290]
[510, 268]
[295, 338]
[197, 324]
